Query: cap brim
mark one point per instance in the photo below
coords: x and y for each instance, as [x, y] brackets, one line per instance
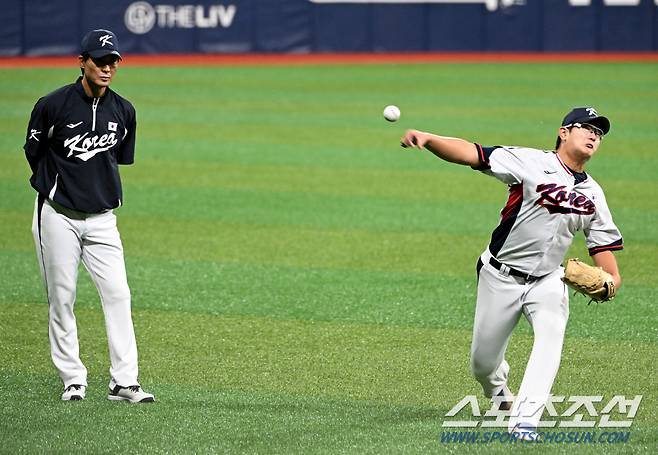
[600, 122]
[102, 53]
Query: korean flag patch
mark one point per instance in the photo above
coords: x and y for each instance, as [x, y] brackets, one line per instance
[111, 126]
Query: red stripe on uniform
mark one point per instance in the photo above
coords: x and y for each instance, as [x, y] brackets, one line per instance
[599, 249]
[483, 158]
[513, 202]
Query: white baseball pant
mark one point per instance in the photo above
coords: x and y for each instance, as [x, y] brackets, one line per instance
[500, 302]
[63, 237]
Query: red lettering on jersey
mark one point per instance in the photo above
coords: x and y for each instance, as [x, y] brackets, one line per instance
[552, 195]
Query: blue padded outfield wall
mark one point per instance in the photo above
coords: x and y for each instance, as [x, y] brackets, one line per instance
[54, 27]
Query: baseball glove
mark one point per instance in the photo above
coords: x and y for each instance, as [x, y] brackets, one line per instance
[594, 282]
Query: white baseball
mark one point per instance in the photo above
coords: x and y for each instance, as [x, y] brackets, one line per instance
[392, 113]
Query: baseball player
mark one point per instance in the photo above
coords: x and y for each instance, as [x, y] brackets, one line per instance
[551, 197]
[76, 138]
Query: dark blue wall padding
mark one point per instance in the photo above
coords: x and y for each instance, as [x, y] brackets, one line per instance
[55, 27]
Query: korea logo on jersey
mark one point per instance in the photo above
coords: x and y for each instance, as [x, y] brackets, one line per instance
[85, 147]
[556, 199]
[111, 126]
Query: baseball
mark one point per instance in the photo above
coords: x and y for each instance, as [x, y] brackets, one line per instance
[392, 113]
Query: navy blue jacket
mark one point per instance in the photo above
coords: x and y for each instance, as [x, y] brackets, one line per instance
[74, 145]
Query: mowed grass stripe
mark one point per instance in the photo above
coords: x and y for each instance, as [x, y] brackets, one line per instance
[325, 248]
[356, 296]
[447, 214]
[293, 209]
[229, 421]
[437, 181]
[186, 419]
[332, 359]
[379, 363]
[243, 243]
[440, 184]
[357, 249]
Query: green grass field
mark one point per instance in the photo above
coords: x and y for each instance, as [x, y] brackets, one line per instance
[301, 284]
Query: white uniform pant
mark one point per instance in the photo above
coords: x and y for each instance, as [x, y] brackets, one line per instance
[500, 302]
[64, 237]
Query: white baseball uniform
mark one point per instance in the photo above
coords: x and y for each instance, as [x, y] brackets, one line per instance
[520, 272]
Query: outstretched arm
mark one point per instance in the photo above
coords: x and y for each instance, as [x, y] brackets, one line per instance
[452, 149]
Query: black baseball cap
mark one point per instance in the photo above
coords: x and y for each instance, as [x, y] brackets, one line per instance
[99, 43]
[587, 115]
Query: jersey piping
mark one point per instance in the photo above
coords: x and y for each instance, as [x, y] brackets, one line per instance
[507, 218]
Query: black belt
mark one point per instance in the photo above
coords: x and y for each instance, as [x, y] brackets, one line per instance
[72, 213]
[497, 265]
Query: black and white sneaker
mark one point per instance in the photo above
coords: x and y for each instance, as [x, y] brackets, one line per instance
[133, 394]
[74, 392]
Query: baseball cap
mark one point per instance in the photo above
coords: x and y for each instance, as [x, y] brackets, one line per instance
[99, 43]
[587, 115]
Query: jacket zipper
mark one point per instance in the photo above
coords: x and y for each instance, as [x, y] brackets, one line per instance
[94, 105]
